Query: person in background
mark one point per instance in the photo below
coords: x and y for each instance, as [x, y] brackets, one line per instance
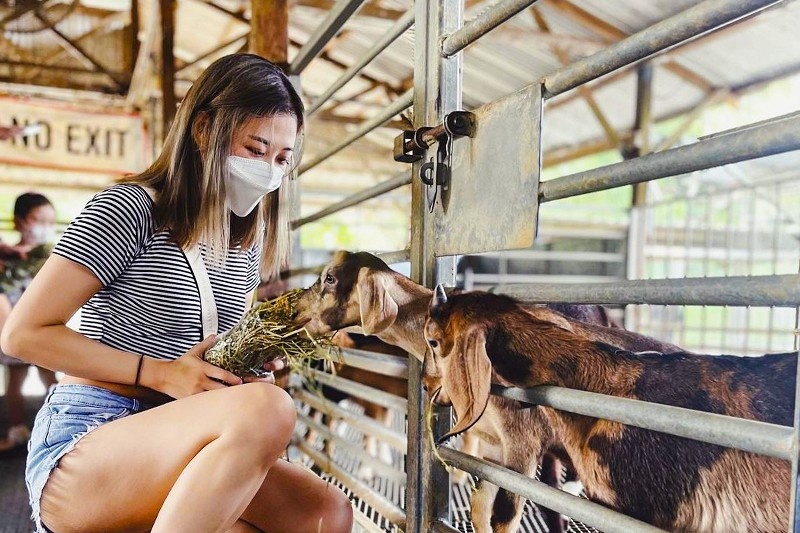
[34, 219]
[142, 434]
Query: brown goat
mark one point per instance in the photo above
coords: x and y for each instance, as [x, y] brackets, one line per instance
[358, 290]
[671, 482]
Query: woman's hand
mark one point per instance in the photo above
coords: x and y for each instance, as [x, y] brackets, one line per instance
[187, 375]
[273, 365]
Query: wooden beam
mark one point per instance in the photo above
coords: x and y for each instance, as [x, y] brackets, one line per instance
[22, 11]
[214, 51]
[138, 86]
[369, 9]
[134, 18]
[609, 31]
[168, 105]
[79, 51]
[269, 31]
[585, 91]
[103, 27]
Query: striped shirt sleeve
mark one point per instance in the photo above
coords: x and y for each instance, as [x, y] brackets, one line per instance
[109, 232]
[254, 267]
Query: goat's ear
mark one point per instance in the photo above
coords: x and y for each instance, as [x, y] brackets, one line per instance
[469, 379]
[377, 307]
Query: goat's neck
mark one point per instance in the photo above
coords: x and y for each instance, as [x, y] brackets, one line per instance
[564, 359]
[412, 301]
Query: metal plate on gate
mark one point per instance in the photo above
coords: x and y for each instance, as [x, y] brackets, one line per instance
[492, 201]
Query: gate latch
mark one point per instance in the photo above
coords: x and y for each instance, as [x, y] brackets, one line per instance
[412, 146]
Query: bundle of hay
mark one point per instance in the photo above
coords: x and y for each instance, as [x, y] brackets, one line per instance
[264, 333]
[15, 273]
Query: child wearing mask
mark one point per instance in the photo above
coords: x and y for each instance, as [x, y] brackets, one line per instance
[34, 219]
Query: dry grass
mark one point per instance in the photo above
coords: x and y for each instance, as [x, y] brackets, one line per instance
[265, 333]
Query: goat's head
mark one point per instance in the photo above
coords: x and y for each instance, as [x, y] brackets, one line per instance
[474, 337]
[351, 292]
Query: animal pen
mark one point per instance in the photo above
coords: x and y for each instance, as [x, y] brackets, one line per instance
[475, 179]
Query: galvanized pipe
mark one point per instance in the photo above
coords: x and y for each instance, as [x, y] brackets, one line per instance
[761, 141]
[441, 527]
[386, 471]
[399, 27]
[367, 425]
[481, 25]
[398, 256]
[396, 182]
[741, 291]
[367, 126]
[359, 390]
[381, 363]
[384, 507]
[690, 23]
[341, 12]
[588, 512]
[747, 435]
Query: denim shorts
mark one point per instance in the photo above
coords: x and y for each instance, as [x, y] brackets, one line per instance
[69, 412]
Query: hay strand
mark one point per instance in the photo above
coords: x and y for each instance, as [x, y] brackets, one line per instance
[266, 332]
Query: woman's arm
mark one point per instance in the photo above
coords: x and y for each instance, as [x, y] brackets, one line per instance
[36, 332]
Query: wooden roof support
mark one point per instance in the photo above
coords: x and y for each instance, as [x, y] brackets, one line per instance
[22, 11]
[214, 51]
[148, 17]
[607, 30]
[168, 103]
[79, 52]
[105, 25]
[269, 31]
[369, 9]
[583, 90]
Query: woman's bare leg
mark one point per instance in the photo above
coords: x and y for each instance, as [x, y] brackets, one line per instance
[192, 465]
[295, 499]
[243, 527]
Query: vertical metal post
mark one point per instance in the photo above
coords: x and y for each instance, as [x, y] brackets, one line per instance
[437, 91]
[637, 238]
[794, 509]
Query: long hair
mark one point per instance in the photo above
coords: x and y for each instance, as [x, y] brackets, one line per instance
[191, 195]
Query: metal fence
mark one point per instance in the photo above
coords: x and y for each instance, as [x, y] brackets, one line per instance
[440, 36]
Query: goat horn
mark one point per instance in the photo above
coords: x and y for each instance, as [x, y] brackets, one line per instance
[439, 296]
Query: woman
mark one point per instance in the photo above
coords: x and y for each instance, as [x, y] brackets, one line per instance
[110, 451]
[34, 219]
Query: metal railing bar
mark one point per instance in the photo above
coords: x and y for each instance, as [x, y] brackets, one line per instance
[376, 429]
[367, 194]
[746, 435]
[381, 363]
[371, 394]
[558, 255]
[337, 17]
[686, 25]
[761, 141]
[590, 513]
[387, 471]
[481, 25]
[384, 507]
[741, 291]
[402, 102]
[364, 522]
[399, 27]
[398, 256]
[441, 527]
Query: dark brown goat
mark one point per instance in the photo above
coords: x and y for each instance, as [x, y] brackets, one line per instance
[358, 290]
[671, 482]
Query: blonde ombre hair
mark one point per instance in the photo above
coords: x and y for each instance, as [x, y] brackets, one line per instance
[191, 195]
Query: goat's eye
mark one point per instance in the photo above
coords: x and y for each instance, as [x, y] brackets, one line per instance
[329, 279]
[433, 344]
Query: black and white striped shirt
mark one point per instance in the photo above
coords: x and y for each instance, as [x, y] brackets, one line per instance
[149, 302]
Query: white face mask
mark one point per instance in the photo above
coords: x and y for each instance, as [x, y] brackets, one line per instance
[42, 233]
[248, 181]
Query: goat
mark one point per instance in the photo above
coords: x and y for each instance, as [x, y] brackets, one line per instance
[671, 482]
[358, 290]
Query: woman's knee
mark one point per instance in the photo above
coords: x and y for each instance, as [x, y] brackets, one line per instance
[262, 414]
[337, 512]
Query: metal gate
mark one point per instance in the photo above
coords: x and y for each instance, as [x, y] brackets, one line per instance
[454, 212]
